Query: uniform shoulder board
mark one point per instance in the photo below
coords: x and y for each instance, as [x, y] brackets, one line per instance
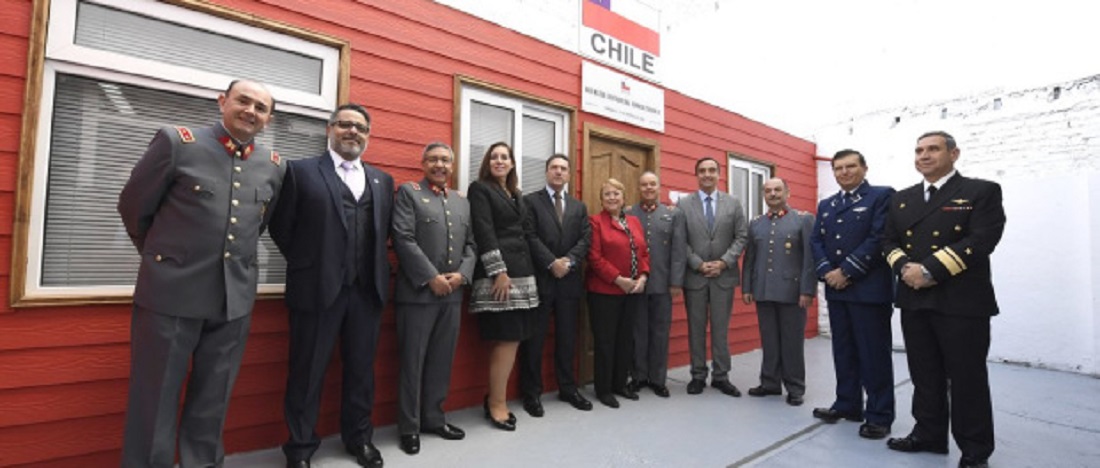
[671, 207]
[185, 134]
[275, 158]
[415, 185]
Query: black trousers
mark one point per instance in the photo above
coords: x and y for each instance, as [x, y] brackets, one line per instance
[612, 321]
[353, 319]
[565, 312]
[947, 356]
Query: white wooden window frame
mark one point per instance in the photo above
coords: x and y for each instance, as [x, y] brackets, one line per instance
[752, 200]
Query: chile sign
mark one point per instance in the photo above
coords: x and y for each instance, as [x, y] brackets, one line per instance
[623, 34]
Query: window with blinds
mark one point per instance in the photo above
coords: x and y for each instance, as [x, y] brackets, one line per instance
[100, 129]
[746, 179]
[489, 117]
[113, 73]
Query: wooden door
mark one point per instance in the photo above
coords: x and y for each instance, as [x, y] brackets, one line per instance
[624, 157]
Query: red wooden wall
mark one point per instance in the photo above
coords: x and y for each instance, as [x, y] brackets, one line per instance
[63, 370]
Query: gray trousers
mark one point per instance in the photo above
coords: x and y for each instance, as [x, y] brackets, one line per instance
[161, 347]
[714, 305]
[782, 337]
[427, 335]
[651, 327]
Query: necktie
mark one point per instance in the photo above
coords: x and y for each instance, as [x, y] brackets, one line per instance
[931, 191]
[348, 173]
[847, 197]
[559, 206]
[708, 211]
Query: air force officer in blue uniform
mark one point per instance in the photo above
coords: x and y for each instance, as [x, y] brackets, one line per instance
[859, 290]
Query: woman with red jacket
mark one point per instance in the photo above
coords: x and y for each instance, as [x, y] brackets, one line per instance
[618, 265]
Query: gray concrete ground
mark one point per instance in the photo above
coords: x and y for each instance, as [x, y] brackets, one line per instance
[1043, 419]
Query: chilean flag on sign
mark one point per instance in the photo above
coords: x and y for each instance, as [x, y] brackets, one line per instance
[625, 20]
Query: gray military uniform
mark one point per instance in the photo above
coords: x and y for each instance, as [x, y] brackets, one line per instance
[194, 206]
[664, 234]
[432, 235]
[778, 268]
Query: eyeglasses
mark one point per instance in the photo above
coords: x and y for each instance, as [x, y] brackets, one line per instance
[348, 125]
[433, 161]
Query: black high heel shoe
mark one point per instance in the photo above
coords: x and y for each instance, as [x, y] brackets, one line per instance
[506, 425]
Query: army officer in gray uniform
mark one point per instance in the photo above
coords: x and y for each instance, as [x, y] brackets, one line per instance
[664, 234]
[194, 206]
[434, 242]
[779, 277]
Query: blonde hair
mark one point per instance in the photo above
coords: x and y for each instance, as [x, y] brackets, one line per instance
[615, 184]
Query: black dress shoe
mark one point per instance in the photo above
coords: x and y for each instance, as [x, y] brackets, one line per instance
[365, 455]
[637, 385]
[913, 444]
[608, 400]
[628, 394]
[970, 462]
[873, 431]
[410, 443]
[577, 400]
[794, 400]
[489, 415]
[533, 407]
[761, 391]
[659, 390]
[297, 464]
[447, 431]
[696, 386]
[725, 387]
[831, 416]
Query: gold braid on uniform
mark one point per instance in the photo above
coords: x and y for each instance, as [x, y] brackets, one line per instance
[950, 260]
[894, 256]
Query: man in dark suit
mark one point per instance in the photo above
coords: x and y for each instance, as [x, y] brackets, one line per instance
[860, 291]
[664, 234]
[938, 239]
[779, 278]
[434, 242]
[561, 224]
[195, 206]
[332, 231]
[716, 233]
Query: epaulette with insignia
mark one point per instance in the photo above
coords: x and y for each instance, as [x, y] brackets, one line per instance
[185, 134]
[415, 185]
[275, 158]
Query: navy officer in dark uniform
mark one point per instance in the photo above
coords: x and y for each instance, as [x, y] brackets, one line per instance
[859, 291]
[195, 206]
[938, 239]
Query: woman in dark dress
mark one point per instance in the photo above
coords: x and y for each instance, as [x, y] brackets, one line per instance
[504, 294]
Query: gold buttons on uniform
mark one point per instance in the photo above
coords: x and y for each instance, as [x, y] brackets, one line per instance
[198, 187]
[232, 220]
[227, 255]
[909, 233]
[935, 247]
[158, 258]
[958, 228]
[838, 252]
[231, 237]
[235, 202]
[935, 233]
[237, 169]
[236, 185]
[908, 246]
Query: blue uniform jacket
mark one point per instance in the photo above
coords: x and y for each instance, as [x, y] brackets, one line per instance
[848, 235]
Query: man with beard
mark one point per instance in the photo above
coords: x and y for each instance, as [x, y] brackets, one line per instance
[434, 242]
[195, 206]
[332, 229]
[779, 277]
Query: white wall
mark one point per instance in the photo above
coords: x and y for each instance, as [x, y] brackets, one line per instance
[1045, 153]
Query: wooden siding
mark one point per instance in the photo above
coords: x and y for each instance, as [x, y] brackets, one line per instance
[63, 370]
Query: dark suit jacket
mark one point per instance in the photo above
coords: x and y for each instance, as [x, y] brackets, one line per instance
[500, 232]
[952, 235]
[180, 208]
[569, 238]
[848, 235]
[309, 228]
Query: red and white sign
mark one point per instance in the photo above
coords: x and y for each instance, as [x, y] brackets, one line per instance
[624, 34]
